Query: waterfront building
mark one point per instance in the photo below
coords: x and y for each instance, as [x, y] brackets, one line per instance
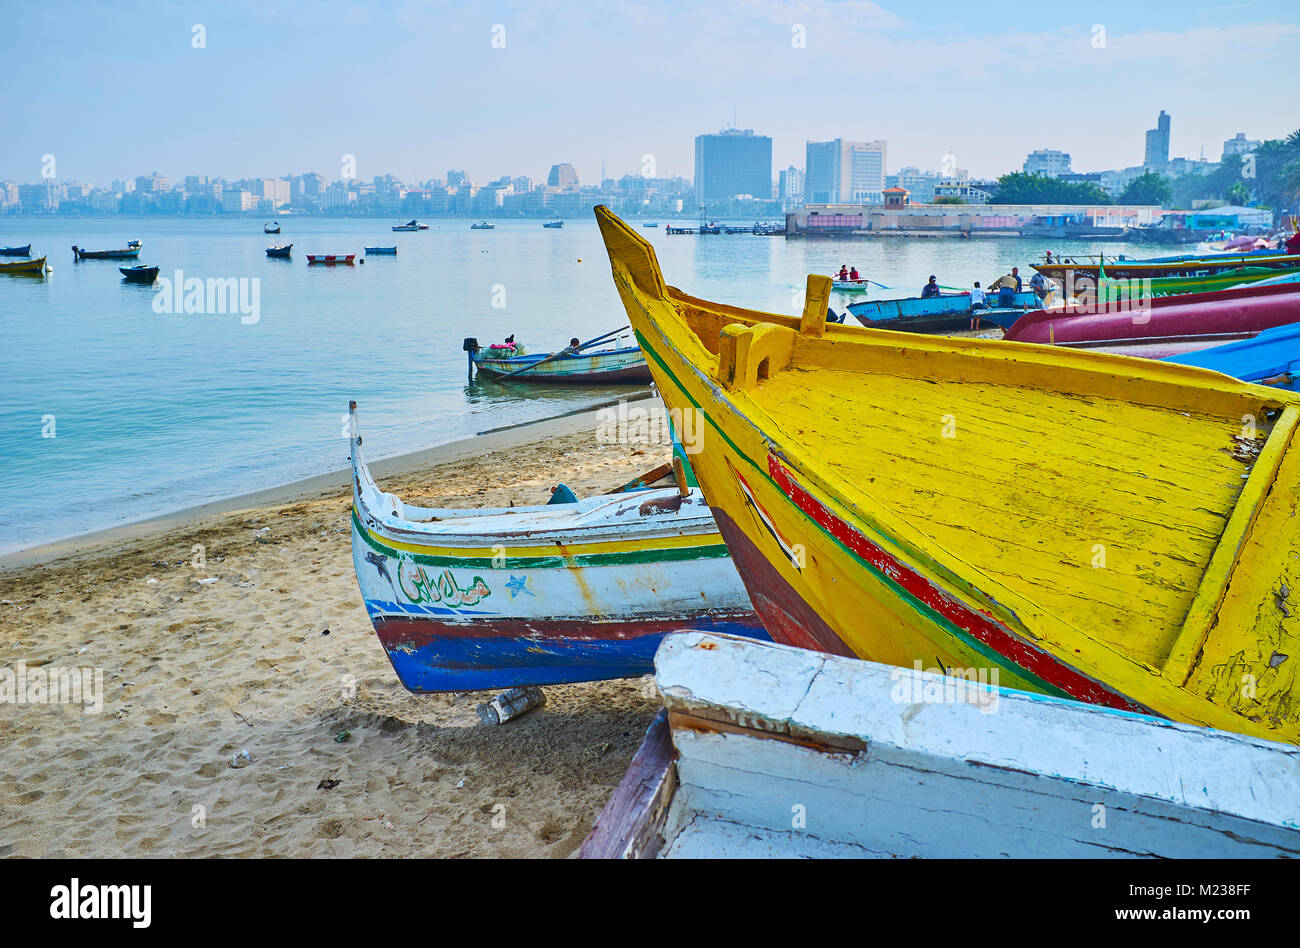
[844, 172]
[563, 176]
[1048, 162]
[731, 163]
[790, 186]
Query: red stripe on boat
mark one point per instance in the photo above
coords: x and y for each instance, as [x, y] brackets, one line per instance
[980, 626]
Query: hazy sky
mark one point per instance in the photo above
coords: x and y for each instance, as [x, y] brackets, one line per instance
[118, 89]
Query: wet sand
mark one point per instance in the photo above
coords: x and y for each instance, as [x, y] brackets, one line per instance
[248, 707]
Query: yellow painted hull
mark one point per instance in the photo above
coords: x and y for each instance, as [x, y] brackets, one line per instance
[1112, 529]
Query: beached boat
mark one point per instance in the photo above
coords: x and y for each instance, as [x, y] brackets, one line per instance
[1074, 273]
[25, 267]
[622, 364]
[140, 274]
[1271, 358]
[553, 225]
[1118, 531]
[482, 225]
[271, 228]
[535, 595]
[938, 314]
[131, 252]
[22, 251]
[331, 258]
[851, 286]
[410, 225]
[281, 251]
[1110, 290]
[1155, 328]
[381, 251]
[765, 751]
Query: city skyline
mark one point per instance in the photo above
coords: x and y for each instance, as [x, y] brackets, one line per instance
[277, 87]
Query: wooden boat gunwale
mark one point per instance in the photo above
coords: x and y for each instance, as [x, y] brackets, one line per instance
[964, 605]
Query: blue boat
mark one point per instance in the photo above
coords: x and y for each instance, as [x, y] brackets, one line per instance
[24, 251]
[281, 251]
[939, 313]
[387, 251]
[1271, 358]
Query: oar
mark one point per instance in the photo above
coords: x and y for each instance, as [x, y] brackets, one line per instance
[556, 355]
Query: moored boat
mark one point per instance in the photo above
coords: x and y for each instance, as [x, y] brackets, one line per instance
[938, 314]
[1271, 358]
[281, 251]
[553, 225]
[650, 224]
[272, 228]
[410, 225]
[534, 595]
[1073, 273]
[140, 274]
[1137, 554]
[22, 251]
[482, 225]
[910, 763]
[851, 286]
[331, 258]
[620, 364]
[131, 251]
[1166, 325]
[1112, 290]
[381, 251]
[25, 267]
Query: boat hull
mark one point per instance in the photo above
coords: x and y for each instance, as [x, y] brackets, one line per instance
[939, 314]
[25, 267]
[106, 254]
[331, 259]
[381, 251]
[279, 253]
[139, 274]
[622, 366]
[16, 251]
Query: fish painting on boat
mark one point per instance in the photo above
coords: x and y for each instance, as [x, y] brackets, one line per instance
[535, 595]
[1140, 552]
[912, 763]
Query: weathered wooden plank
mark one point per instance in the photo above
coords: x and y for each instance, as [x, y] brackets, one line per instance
[630, 825]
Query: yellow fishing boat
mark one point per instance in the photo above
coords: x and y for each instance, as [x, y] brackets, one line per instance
[1105, 528]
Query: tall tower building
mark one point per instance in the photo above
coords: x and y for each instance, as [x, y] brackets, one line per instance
[844, 172]
[734, 161]
[1157, 154]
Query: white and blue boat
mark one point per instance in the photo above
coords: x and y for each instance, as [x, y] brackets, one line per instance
[938, 314]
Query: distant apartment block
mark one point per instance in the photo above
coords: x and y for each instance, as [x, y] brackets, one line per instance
[789, 186]
[919, 184]
[1157, 150]
[844, 172]
[731, 163]
[237, 201]
[1048, 162]
[563, 176]
[1239, 144]
[152, 183]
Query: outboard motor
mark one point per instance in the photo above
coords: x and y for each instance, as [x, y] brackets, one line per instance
[470, 346]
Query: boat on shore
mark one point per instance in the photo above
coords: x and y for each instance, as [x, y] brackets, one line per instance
[1138, 553]
[620, 365]
[380, 251]
[1077, 272]
[331, 259]
[140, 274]
[1271, 358]
[131, 252]
[25, 267]
[1112, 290]
[410, 226]
[1163, 326]
[280, 252]
[939, 314]
[23, 251]
[537, 595]
[553, 225]
[912, 763]
[272, 228]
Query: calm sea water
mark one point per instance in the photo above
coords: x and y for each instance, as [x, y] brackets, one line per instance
[152, 413]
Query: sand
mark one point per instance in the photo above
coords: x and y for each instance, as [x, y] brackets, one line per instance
[257, 714]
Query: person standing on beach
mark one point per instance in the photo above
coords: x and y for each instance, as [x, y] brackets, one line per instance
[1007, 286]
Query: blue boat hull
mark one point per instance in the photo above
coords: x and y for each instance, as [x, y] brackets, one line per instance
[1271, 358]
[938, 313]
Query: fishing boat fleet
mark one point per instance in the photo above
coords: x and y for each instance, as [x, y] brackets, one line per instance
[864, 507]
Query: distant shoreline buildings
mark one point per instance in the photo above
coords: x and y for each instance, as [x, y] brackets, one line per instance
[733, 178]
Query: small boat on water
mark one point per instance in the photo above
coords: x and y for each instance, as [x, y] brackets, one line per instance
[131, 252]
[411, 225]
[140, 274]
[650, 224]
[25, 267]
[272, 228]
[380, 251]
[330, 259]
[1271, 358]
[536, 595]
[1137, 552]
[912, 763]
[1155, 328]
[940, 314]
[851, 286]
[280, 252]
[22, 251]
[553, 225]
[621, 365]
[482, 225]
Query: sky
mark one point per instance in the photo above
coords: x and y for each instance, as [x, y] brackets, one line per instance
[115, 90]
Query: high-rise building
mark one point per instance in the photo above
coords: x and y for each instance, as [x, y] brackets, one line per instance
[731, 163]
[1047, 161]
[563, 176]
[843, 172]
[790, 186]
[1157, 153]
[1239, 144]
[152, 183]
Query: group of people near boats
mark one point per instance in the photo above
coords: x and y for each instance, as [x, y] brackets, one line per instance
[848, 274]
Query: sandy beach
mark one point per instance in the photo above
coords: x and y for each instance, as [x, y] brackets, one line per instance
[248, 709]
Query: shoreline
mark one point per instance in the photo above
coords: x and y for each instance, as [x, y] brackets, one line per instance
[316, 487]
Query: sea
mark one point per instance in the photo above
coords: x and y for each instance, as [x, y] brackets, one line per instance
[116, 404]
